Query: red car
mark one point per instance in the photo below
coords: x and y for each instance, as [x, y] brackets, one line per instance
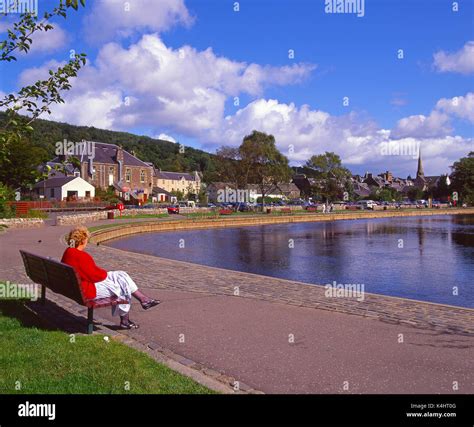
[173, 210]
[113, 206]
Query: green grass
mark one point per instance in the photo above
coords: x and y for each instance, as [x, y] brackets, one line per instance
[44, 361]
[164, 215]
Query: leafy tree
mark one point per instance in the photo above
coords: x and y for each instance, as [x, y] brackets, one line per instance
[229, 168]
[332, 177]
[385, 195]
[37, 98]
[462, 178]
[6, 194]
[441, 191]
[262, 163]
[415, 193]
[23, 160]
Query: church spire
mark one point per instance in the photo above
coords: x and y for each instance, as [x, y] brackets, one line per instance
[419, 172]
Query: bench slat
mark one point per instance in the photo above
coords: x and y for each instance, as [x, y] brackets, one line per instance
[60, 278]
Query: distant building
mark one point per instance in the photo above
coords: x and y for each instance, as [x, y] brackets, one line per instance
[216, 191]
[187, 183]
[64, 188]
[423, 182]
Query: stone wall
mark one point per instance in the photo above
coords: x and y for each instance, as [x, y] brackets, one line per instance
[21, 222]
[81, 218]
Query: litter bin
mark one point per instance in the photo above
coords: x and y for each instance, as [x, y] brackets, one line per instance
[110, 215]
[269, 210]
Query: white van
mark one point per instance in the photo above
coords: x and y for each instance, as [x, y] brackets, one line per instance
[366, 204]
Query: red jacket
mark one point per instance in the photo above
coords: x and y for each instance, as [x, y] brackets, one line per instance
[85, 266]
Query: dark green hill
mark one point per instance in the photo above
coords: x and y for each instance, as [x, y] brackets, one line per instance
[163, 154]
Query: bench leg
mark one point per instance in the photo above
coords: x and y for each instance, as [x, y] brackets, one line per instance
[43, 294]
[90, 320]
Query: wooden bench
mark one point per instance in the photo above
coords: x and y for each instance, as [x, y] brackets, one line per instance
[63, 279]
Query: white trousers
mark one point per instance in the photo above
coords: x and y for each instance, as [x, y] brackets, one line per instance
[120, 284]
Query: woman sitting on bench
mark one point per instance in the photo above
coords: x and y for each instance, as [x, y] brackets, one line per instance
[97, 283]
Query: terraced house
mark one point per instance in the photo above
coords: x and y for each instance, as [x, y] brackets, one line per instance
[112, 166]
[172, 182]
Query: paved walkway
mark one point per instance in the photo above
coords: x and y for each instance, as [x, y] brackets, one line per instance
[280, 336]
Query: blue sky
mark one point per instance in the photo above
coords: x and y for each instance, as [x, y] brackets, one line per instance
[425, 99]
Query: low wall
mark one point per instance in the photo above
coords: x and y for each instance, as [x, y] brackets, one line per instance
[83, 218]
[155, 226]
[22, 222]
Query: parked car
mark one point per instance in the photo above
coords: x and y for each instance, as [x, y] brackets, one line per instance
[173, 210]
[243, 207]
[367, 204]
[113, 206]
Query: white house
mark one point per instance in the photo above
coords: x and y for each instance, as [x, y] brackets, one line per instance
[65, 188]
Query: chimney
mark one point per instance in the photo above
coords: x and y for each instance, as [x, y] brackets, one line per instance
[119, 159]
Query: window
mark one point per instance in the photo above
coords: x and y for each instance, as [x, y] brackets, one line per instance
[128, 175]
[142, 176]
[88, 194]
[111, 175]
[94, 176]
[51, 194]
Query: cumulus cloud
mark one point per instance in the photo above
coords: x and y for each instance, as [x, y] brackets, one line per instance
[42, 41]
[438, 123]
[461, 61]
[49, 41]
[420, 126]
[180, 89]
[165, 137]
[459, 106]
[302, 132]
[112, 19]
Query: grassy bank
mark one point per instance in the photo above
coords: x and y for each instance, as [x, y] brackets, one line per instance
[40, 361]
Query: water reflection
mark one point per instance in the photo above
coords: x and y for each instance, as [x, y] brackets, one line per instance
[420, 258]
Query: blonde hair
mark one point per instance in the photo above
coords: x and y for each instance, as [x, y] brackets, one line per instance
[77, 236]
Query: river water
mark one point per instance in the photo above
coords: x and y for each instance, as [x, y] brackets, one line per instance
[423, 258]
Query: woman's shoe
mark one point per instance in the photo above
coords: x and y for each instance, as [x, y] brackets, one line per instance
[150, 304]
[129, 325]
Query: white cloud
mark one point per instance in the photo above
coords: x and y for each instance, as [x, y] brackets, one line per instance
[420, 126]
[165, 137]
[461, 61]
[112, 19]
[42, 41]
[184, 90]
[31, 75]
[302, 132]
[49, 41]
[438, 123]
[459, 106]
